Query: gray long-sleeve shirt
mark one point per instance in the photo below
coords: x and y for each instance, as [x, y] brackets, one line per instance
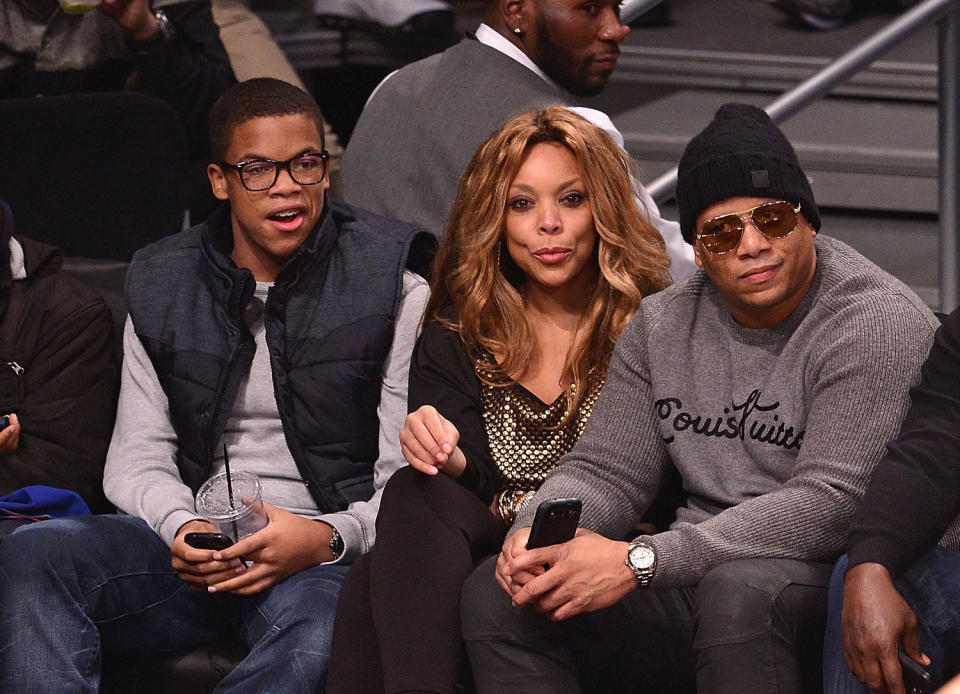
[141, 476]
[774, 432]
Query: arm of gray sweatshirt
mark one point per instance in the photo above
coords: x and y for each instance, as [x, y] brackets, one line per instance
[357, 525]
[141, 476]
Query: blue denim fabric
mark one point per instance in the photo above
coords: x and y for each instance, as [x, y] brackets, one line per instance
[72, 587]
[932, 589]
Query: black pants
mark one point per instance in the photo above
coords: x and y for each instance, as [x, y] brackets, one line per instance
[398, 620]
[749, 626]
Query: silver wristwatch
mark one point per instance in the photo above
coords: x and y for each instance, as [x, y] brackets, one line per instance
[336, 544]
[642, 561]
[165, 32]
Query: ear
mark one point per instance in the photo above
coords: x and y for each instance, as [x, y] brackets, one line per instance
[696, 254]
[514, 13]
[218, 181]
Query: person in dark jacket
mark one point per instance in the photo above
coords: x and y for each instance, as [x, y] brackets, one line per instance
[58, 373]
[899, 585]
[170, 49]
[281, 329]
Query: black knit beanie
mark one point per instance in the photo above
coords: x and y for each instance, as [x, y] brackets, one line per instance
[740, 153]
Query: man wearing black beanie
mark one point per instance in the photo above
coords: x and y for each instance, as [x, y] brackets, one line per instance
[771, 381]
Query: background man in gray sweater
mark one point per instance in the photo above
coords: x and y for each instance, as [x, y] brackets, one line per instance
[771, 380]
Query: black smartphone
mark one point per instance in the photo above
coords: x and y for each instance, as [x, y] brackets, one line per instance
[208, 540]
[4, 422]
[556, 521]
[916, 679]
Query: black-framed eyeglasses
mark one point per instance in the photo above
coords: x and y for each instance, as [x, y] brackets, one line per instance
[262, 174]
[775, 220]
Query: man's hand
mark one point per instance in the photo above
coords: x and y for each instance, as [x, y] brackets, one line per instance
[429, 443]
[197, 567]
[287, 545]
[876, 619]
[133, 16]
[10, 436]
[585, 574]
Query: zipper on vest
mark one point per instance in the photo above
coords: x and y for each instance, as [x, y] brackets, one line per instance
[231, 365]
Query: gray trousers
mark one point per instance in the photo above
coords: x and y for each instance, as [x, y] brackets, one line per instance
[752, 625]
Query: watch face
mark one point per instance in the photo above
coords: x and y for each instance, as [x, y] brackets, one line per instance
[642, 557]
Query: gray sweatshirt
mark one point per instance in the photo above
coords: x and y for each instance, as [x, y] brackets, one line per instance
[141, 476]
[774, 431]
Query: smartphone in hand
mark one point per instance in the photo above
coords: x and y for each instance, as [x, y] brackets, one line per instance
[216, 541]
[556, 522]
[916, 678]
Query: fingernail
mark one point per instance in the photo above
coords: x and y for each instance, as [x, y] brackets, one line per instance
[211, 589]
[218, 556]
[241, 569]
[506, 569]
[446, 448]
[433, 470]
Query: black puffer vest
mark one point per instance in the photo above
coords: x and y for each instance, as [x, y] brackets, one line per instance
[329, 321]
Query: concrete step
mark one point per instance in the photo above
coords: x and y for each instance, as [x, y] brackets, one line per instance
[861, 154]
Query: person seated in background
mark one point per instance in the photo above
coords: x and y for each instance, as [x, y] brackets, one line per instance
[170, 50]
[527, 54]
[899, 585]
[58, 377]
[280, 329]
[771, 380]
[544, 260]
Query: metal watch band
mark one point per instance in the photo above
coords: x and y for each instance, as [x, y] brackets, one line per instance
[336, 544]
[165, 32]
[643, 574]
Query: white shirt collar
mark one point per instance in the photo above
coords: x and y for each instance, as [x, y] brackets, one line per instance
[489, 36]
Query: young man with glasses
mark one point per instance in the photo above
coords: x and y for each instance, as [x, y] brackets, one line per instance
[771, 381]
[280, 329]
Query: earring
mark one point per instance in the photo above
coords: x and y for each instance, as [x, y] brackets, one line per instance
[516, 30]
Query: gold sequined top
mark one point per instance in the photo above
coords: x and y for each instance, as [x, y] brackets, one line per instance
[523, 432]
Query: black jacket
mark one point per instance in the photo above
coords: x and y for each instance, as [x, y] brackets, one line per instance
[61, 334]
[913, 500]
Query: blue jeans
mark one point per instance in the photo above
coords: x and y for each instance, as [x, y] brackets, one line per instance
[932, 589]
[73, 587]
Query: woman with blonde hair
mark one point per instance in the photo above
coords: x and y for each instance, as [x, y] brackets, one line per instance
[546, 257]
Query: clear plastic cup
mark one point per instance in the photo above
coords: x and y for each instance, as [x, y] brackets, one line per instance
[237, 509]
[78, 6]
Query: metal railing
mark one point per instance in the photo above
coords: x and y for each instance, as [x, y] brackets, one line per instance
[947, 12]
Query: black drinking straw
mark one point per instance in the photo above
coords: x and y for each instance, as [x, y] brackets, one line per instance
[226, 465]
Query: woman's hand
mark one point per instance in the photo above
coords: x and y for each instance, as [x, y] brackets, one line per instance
[429, 443]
